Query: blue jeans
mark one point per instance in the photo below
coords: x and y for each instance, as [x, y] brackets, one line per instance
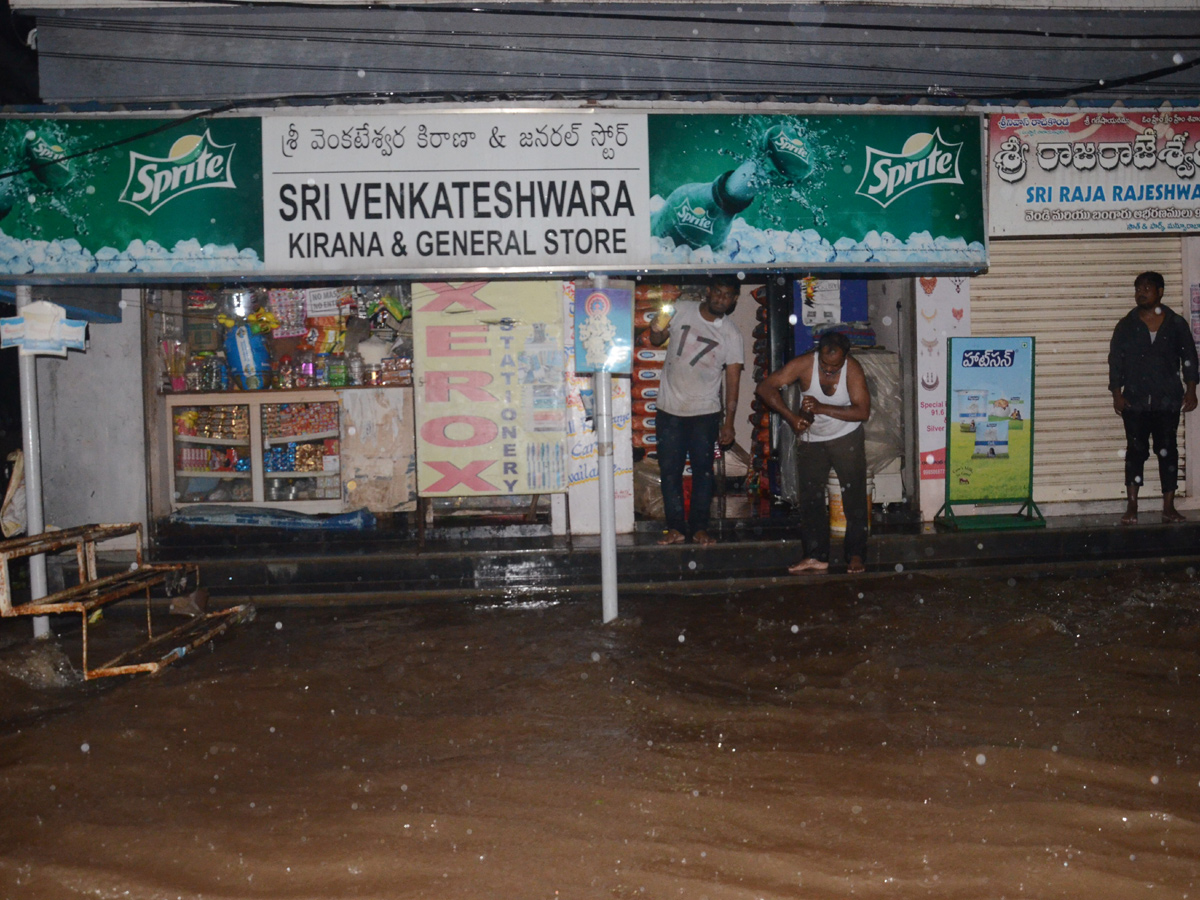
[681, 438]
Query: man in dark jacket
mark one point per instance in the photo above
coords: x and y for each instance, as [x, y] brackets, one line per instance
[1150, 348]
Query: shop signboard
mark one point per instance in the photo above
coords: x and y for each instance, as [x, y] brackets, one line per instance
[440, 192]
[130, 197]
[489, 388]
[1094, 172]
[989, 426]
[819, 192]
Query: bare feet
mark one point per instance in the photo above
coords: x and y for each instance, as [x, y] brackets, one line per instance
[1173, 516]
[1130, 517]
[855, 566]
[810, 565]
[671, 536]
[703, 538]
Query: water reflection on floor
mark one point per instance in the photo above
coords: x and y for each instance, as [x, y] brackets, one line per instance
[906, 736]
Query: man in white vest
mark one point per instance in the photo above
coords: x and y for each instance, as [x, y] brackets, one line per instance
[829, 434]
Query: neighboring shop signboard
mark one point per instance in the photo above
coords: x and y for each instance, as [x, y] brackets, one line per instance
[823, 191]
[140, 197]
[1110, 172]
[490, 397]
[604, 330]
[441, 192]
[989, 425]
[943, 312]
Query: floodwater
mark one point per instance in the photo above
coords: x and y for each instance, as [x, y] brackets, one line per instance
[884, 737]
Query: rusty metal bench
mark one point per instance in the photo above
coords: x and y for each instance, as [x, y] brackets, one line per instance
[93, 592]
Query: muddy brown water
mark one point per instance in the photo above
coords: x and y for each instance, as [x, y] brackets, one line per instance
[889, 737]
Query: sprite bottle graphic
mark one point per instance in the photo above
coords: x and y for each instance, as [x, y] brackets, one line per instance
[8, 196]
[787, 151]
[699, 214]
[47, 161]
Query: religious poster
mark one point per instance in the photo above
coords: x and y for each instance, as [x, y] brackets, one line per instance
[490, 388]
[583, 462]
[603, 329]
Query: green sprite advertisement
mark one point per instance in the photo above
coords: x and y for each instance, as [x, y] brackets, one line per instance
[817, 191]
[130, 196]
[141, 198]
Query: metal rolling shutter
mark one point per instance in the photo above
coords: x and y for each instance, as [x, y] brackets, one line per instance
[1069, 294]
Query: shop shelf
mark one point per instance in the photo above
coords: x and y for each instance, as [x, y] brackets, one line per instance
[300, 438]
[218, 442]
[309, 474]
[211, 473]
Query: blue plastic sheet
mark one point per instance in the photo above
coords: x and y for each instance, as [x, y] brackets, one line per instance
[243, 517]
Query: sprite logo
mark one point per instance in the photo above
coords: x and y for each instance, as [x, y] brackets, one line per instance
[791, 148]
[193, 163]
[923, 160]
[696, 217]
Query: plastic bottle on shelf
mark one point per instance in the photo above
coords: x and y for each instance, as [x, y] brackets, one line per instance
[304, 369]
[335, 369]
[285, 378]
[354, 368]
[194, 373]
[321, 370]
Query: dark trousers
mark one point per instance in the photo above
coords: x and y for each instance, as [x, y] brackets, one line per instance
[847, 457]
[681, 438]
[1140, 426]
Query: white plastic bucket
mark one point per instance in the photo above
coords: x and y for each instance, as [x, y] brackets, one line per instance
[837, 511]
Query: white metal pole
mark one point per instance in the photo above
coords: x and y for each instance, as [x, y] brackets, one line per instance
[34, 522]
[607, 483]
[608, 501]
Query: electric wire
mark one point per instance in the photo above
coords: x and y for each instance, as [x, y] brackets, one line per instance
[994, 84]
[613, 12]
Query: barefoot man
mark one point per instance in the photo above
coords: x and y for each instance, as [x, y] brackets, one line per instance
[705, 348]
[1150, 347]
[829, 433]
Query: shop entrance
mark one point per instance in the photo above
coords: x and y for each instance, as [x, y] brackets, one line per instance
[779, 317]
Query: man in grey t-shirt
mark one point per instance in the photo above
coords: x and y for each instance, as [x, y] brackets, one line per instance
[705, 350]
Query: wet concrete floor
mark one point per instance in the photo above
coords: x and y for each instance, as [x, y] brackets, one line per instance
[899, 736]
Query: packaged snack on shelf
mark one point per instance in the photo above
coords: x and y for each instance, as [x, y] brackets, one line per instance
[289, 308]
[395, 371]
[324, 334]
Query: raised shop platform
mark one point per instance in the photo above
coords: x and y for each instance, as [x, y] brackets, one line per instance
[387, 564]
